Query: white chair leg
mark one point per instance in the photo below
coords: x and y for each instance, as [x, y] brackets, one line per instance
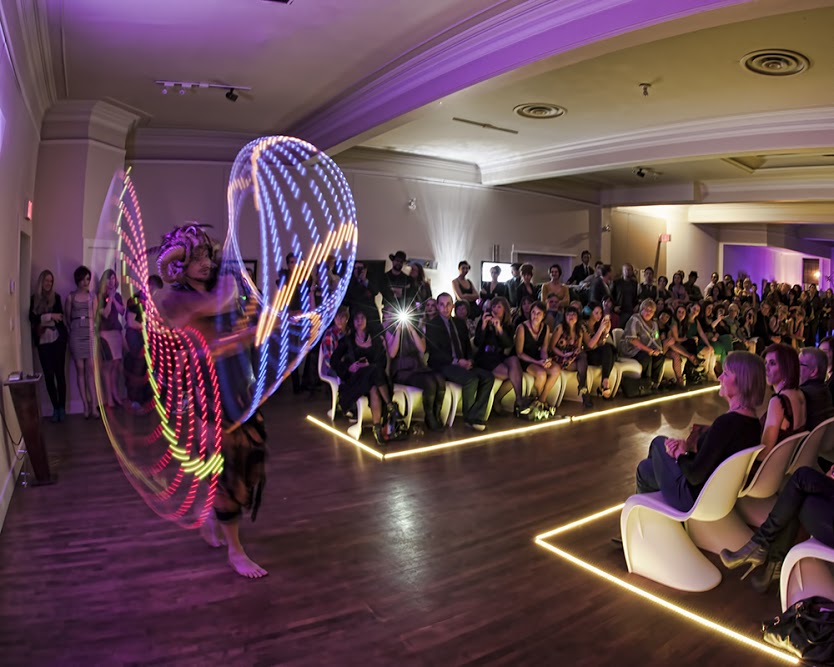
[713, 536]
[331, 413]
[658, 548]
[355, 431]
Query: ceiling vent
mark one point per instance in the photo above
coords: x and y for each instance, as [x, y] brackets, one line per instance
[539, 110]
[775, 62]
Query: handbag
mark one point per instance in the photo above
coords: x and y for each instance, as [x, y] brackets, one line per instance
[805, 629]
[636, 387]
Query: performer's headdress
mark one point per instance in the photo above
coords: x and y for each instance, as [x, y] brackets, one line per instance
[176, 250]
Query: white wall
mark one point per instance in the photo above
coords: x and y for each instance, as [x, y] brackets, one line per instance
[18, 153]
[452, 221]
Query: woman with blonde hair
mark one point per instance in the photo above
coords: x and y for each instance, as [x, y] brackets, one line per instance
[679, 468]
[49, 335]
[112, 308]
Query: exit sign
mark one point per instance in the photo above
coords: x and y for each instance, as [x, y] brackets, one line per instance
[665, 238]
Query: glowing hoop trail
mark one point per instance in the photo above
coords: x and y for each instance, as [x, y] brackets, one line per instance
[169, 444]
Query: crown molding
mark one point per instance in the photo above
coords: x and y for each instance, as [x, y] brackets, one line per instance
[408, 165]
[487, 45]
[89, 120]
[180, 145]
[713, 137]
[26, 36]
[791, 213]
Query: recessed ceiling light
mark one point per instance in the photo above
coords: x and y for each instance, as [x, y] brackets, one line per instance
[539, 110]
[775, 62]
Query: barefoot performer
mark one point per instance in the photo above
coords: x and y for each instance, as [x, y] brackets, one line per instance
[203, 300]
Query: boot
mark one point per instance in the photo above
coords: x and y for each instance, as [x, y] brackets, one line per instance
[752, 554]
[762, 581]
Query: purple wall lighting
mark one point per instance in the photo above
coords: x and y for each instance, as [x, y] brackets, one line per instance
[759, 262]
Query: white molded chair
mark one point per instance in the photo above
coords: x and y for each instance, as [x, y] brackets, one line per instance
[333, 383]
[806, 571]
[759, 497]
[807, 453]
[570, 382]
[656, 544]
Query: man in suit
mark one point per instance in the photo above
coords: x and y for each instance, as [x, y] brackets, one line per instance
[582, 271]
[624, 293]
[450, 354]
[513, 283]
[601, 284]
[361, 296]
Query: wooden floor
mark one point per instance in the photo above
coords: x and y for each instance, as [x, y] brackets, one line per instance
[424, 560]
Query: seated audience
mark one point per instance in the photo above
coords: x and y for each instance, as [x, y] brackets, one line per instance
[808, 501]
[450, 353]
[532, 342]
[598, 349]
[554, 311]
[523, 313]
[406, 348]
[462, 312]
[493, 337]
[663, 289]
[679, 468]
[330, 340]
[786, 410]
[360, 360]
[641, 341]
[609, 311]
[567, 350]
[813, 365]
[677, 290]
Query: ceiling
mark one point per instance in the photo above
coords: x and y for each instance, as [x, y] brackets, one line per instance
[707, 131]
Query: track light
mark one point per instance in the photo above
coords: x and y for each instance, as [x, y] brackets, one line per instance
[640, 172]
[232, 95]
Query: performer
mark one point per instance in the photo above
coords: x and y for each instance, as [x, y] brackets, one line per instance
[203, 299]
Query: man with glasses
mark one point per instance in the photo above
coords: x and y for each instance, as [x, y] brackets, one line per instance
[813, 364]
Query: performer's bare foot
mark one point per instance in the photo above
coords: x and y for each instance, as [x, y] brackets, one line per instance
[211, 532]
[244, 566]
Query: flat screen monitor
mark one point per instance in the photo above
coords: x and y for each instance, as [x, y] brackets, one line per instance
[504, 276]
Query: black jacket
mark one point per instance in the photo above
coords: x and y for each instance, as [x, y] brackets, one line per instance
[439, 345]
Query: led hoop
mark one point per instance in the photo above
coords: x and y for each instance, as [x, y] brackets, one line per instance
[304, 207]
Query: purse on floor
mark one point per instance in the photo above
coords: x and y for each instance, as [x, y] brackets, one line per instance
[805, 629]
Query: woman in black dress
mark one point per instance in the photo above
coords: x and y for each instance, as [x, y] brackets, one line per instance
[359, 361]
[532, 342]
[465, 290]
[493, 337]
[596, 331]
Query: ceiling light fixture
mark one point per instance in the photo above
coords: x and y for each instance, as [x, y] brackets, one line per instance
[643, 172]
[645, 88]
[775, 62]
[182, 86]
[539, 110]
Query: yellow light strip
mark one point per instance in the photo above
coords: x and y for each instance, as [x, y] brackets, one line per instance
[579, 522]
[509, 432]
[643, 404]
[344, 436]
[666, 604]
[477, 438]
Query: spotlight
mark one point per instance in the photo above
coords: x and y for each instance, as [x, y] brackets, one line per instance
[639, 172]
[232, 95]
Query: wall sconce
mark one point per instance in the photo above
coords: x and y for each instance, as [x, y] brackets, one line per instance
[605, 229]
[412, 204]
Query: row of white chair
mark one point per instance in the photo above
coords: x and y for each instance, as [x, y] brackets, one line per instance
[664, 544]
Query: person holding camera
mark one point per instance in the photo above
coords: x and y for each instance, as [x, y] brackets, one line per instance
[493, 336]
[406, 348]
[595, 333]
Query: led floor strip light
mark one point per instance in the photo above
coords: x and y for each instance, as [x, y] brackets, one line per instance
[523, 430]
[541, 540]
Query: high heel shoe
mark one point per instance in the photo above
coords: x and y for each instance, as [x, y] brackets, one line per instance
[605, 393]
[762, 581]
[751, 553]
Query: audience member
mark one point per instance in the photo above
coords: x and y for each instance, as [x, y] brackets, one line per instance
[405, 344]
[80, 309]
[532, 342]
[567, 351]
[513, 283]
[420, 290]
[600, 286]
[679, 468]
[493, 337]
[786, 411]
[598, 349]
[451, 354]
[582, 271]
[396, 285]
[361, 297]
[555, 286]
[111, 307]
[813, 366]
[526, 287]
[641, 341]
[465, 290]
[648, 290]
[624, 292]
[494, 287]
